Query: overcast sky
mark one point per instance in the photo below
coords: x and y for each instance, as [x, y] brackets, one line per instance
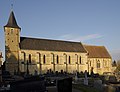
[95, 22]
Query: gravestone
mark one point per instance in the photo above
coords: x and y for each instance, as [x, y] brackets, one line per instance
[76, 77]
[111, 89]
[64, 85]
[32, 84]
[35, 72]
[112, 79]
[98, 84]
[86, 78]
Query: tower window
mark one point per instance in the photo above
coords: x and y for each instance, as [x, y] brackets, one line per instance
[12, 41]
[11, 31]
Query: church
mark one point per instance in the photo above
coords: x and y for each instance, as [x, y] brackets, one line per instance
[27, 55]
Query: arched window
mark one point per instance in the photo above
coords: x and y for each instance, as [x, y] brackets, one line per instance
[38, 57]
[65, 58]
[98, 64]
[80, 60]
[105, 63]
[69, 60]
[30, 58]
[52, 59]
[23, 57]
[57, 59]
[76, 59]
[90, 63]
[44, 59]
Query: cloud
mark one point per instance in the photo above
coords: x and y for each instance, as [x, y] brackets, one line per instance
[77, 38]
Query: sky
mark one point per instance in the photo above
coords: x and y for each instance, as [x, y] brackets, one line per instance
[94, 22]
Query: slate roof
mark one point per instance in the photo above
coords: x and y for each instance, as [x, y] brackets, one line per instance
[97, 51]
[50, 45]
[12, 21]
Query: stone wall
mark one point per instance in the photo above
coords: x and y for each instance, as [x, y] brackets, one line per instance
[100, 65]
[56, 61]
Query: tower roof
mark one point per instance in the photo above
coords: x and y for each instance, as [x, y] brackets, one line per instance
[12, 21]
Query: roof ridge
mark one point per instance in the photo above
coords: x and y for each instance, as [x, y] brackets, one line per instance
[51, 39]
[93, 45]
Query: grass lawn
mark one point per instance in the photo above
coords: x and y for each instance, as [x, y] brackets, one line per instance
[84, 88]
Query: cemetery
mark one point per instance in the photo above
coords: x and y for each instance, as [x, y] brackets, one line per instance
[62, 81]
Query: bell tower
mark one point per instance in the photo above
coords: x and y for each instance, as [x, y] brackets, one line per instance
[12, 40]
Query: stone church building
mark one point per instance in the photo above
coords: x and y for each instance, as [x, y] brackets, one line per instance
[24, 54]
[98, 59]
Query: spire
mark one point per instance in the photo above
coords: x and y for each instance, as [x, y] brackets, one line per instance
[12, 21]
